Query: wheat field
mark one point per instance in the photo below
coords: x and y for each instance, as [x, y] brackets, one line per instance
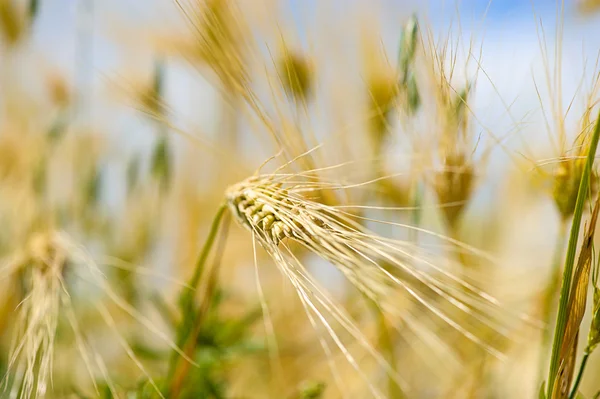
[299, 199]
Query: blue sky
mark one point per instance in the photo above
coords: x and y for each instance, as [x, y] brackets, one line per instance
[511, 49]
[505, 8]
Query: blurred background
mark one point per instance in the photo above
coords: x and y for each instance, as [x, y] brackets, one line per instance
[122, 124]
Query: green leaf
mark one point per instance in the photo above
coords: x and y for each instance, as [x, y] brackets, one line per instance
[161, 162]
[413, 96]
[542, 392]
[312, 390]
[408, 46]
[34, 7]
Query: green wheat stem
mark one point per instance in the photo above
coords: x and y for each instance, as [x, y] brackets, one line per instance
[417, 211]
[387, 344]
[201, 262]
[561, 319]
[584, 360]
[188, 294]
[550, 294]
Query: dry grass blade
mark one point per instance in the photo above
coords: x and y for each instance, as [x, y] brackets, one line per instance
[568, 274]
[576, 310]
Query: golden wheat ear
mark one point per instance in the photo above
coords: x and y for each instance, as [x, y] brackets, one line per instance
[47, 301]
[381, 268]
[40, 267]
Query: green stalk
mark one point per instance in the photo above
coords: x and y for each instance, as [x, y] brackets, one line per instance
[561, 319]
[586, 356]
[550, 294]
[186, 300]
[417, 211]
[206, 250]
[387, 344]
